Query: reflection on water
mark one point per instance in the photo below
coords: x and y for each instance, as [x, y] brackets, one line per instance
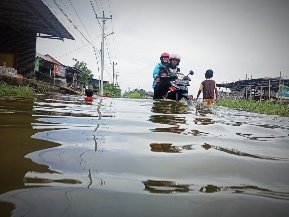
[167, 119]
[169, 112]
[175, 129]
[169, 148]
[239, 153]
[248, 190]
[165, 187]
[261, 138]
[198, 133]
[74, 158]
[169, 107]
[46, 181]
[210, 189]
[204, 121]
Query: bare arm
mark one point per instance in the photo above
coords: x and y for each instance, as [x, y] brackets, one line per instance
[199, 92]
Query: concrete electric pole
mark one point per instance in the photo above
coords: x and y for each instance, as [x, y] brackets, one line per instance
[102, 49]
[116, 75]
[113, 74]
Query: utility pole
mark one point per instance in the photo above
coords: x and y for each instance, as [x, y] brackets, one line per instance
[102, 49]
[113, 75]
[116, 75]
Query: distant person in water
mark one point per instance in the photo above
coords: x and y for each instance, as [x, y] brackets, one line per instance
[209, 88]
[89, 95]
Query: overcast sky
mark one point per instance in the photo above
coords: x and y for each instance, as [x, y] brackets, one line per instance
[231, 37]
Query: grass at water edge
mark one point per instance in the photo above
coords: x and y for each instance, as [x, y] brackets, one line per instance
[263, 107]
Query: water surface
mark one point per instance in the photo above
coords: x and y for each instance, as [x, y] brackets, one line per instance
[61, 156]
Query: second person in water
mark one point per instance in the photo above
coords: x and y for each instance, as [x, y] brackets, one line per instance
[209, 89]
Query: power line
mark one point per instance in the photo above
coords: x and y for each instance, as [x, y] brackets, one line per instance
[109, 56]
[109, 6]
[97, 6]
[79, 19]
[95, 14]
[101, 5]
[102, 42]
[94, 49]
[72, 51]
[75, 27]
[55, 12]
[113, 37]
[87, 36]
[108, 53]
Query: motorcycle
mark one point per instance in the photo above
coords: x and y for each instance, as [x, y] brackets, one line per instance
[177, 86]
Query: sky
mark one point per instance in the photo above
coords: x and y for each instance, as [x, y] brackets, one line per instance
[234, 38]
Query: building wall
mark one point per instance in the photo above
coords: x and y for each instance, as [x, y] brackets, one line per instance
[22, 47]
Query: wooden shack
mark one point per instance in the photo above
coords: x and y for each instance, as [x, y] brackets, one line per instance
[21, 22]
[257, 89]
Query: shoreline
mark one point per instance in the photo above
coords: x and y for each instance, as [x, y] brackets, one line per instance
[261, 107]
[37, 86]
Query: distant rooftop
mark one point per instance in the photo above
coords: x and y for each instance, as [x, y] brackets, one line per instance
[239, 85]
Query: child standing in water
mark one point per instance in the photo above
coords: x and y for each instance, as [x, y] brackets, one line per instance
[89, 95]
[209, 89]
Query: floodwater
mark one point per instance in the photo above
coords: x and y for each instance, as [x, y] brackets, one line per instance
[61, 156]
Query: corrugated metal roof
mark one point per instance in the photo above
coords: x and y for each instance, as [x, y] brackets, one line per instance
[33, 16]
[44, 57]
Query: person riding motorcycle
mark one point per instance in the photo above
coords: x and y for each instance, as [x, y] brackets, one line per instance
[160, 70]
[174, 62]
[171, 69]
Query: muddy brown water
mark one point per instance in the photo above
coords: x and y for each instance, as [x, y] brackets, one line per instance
[61, 156]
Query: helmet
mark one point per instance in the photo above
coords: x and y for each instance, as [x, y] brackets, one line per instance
[175, 57]
[165, 55]
[209, 73]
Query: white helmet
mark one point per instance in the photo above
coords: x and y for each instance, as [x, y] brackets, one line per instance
[175, 56]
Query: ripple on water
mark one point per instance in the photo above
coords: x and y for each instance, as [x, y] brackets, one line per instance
[142, 147]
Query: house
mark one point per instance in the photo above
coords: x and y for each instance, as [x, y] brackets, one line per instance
[50, 70]
[21, 22]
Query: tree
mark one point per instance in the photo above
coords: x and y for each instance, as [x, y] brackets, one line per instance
[86, 74]
[135, 94]
[111, 90]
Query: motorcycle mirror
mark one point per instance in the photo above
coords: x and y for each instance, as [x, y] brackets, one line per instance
[191, 72]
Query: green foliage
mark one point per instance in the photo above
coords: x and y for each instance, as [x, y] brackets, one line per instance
[111, 90]
[264, 107]
[8, 90]
[135, 94]
[86, 74]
